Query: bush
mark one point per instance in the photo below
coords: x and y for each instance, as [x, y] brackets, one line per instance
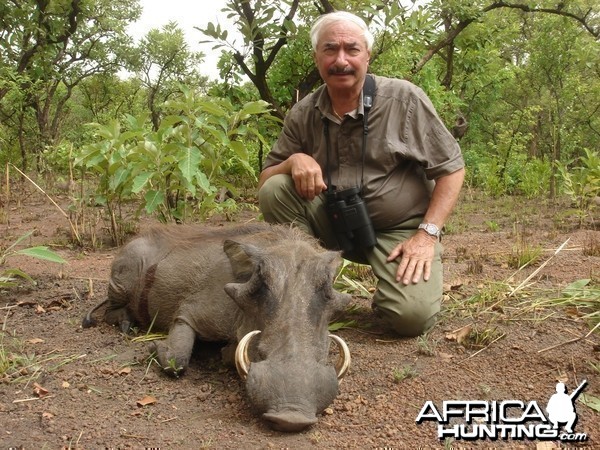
[177, 171]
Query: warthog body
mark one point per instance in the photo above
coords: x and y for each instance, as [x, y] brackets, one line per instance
[220, 285]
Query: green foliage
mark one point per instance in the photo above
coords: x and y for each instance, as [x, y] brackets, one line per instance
[524, 254]
[582, 183]
[580, 294]
[176, 171]
[404, 373]
[518, 175]
[534, 178]
[527, 83]
[355, 279]
[46, 50]
[8, 277]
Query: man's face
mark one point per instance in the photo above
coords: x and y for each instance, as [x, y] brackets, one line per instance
[342, 56]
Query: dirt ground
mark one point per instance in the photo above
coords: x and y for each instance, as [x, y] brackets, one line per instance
[69, 387]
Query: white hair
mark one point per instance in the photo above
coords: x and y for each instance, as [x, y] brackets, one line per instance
[339, 16]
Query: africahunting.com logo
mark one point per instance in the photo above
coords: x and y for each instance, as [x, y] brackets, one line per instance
[508, 419]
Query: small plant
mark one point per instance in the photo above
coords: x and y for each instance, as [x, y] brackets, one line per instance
[523, 253]
[172, 367]
[491, 293]
[9, 276]
[480, 338]
[591, 246]
[475, 265]
[404, 373]
[461, 254]
[17, 365]
[582, 184]
[492, 226]
[14, 362]
[355, 279]
[485, 390]
[448, 444]
[425, 346]
[316, 437]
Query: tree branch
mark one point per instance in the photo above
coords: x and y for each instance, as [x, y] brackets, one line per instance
[461, 25]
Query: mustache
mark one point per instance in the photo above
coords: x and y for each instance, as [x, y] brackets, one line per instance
[341, 71]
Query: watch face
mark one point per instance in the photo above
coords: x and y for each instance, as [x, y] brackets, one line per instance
[430, 228]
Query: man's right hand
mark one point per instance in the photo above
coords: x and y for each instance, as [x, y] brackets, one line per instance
[307, 175]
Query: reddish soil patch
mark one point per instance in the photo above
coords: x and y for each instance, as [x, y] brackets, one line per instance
[81, 387]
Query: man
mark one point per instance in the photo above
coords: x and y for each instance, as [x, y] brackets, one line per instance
[409, 172]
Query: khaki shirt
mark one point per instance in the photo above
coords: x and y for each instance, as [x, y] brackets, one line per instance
[408, 147]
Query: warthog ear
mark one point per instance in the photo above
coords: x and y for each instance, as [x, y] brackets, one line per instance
[244, 258]
[338, 301]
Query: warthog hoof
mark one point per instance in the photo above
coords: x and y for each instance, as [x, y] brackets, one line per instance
[170, 364]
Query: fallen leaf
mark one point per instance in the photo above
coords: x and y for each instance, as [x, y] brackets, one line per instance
[590, 401]
[65, 384]
[47, 415]
[459, 335]
[125, 371]
[35, 341]
[39, 309]
[456, 286]
[573, 311]
[147, 400]
[39, 390]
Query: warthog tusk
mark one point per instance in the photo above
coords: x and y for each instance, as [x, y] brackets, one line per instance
[242, 361]
[343, 362]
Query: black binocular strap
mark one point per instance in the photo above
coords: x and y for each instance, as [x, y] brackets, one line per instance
[368, 94]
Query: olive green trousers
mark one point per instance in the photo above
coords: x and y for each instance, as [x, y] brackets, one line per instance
[407, 310]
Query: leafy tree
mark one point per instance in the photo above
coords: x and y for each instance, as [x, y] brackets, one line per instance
[162, 62]
[265, 27]
[47, 47]
[530, 95]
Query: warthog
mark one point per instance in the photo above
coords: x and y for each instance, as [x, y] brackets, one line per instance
[270, 288]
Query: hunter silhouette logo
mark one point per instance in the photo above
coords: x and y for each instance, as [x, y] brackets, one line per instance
[508, 419]
[561, 406]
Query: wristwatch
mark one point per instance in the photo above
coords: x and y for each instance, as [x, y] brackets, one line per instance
[431, 229]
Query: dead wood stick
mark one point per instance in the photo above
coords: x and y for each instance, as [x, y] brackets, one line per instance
[570, 341]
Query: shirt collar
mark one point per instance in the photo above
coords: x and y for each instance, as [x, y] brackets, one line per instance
[323, 103]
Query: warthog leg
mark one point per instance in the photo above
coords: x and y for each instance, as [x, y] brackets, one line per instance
[173, 354]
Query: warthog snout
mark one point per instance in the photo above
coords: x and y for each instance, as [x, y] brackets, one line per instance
[288, 420]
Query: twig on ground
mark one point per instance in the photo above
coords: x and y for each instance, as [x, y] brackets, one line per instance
[487, 346]
[570, 341]
[73, 229]
[169, 420]
[536, 271]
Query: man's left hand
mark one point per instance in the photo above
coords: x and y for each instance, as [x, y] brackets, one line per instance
[416, 254]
